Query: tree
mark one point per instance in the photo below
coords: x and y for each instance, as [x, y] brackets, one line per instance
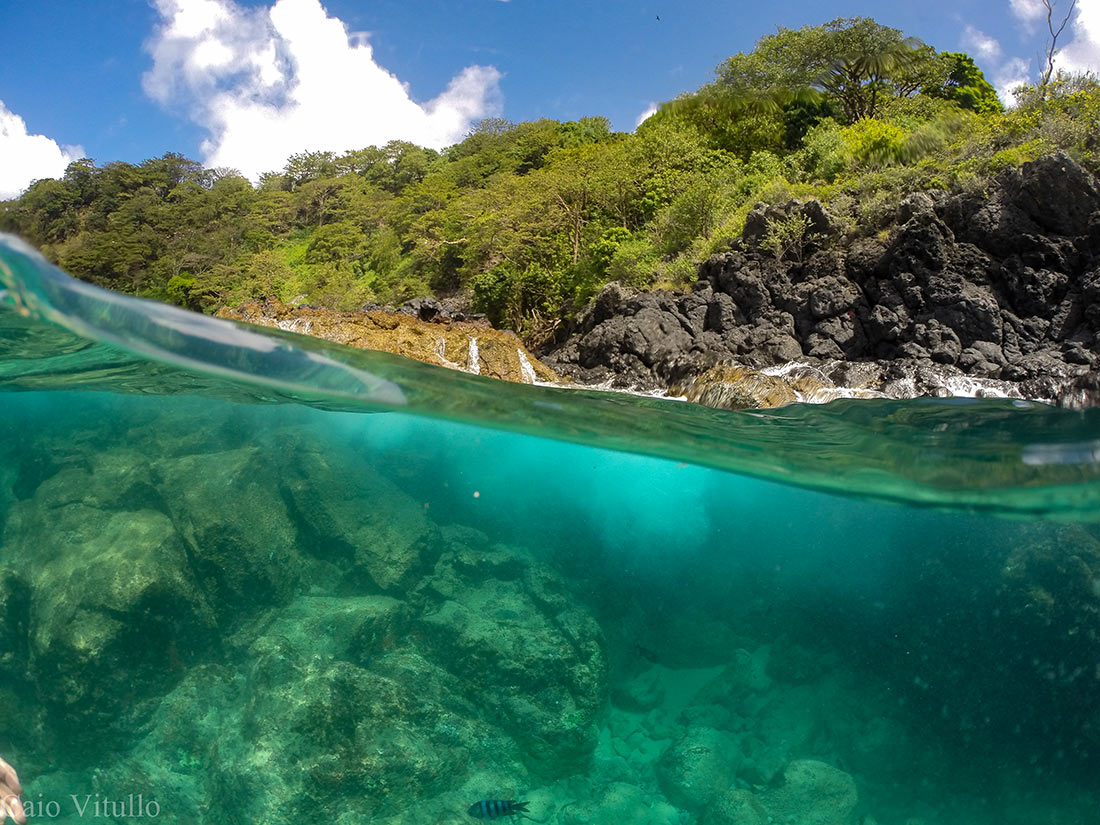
[853, 62]
[869, 61]
[307, 166]
[964, 83]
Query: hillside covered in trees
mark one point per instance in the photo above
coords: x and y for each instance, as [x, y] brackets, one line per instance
[530, 220]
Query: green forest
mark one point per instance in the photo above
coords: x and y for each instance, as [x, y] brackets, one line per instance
[530, 220]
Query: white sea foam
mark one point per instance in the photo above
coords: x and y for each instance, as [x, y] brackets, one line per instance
[473, 358]
[525, 368]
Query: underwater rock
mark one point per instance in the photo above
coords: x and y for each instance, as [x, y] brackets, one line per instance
[746, 674]
[735, 807]
[535, 657]
[373, 534]
[115, 605]
[462, 345]
[331, 714]
[697, 766]
[640, 693]
[241, 541]
[14, 624]
[812, 793]
[622, 804]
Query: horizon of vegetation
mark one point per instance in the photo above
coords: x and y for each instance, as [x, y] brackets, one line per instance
[530, 220]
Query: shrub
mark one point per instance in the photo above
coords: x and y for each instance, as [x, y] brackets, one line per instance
[788, 237]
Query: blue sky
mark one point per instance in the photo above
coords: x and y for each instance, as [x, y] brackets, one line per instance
[244, 83]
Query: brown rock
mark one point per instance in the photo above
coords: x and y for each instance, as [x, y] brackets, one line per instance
[463, 345]
[739, 388]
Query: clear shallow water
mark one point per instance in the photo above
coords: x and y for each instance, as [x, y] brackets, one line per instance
[252, 578]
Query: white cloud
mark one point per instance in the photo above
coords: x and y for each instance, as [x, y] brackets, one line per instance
[25, 158]
[649, 112]
[266, 83]
[1009, 76]
[980, 43]
[1028, 10]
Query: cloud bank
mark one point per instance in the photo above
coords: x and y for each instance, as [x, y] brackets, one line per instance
[25, 158]
[267, 83]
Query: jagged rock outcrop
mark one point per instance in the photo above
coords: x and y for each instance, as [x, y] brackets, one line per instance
[426, 332]
[1003, 284]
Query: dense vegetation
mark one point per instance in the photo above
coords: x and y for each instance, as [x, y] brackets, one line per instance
[531, 219]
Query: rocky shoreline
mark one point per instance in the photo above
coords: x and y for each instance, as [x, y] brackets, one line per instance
[422, 330]
[994, 292]
[990, 293]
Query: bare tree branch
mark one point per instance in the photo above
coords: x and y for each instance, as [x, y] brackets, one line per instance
[1052, 44]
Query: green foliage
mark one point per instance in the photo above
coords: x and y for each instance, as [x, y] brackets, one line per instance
[964, 83]
[855, 64]
[603, 251]
[788, 237]
[874, 143]
[509, 295]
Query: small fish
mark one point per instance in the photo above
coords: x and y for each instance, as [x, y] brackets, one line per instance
[496, 808]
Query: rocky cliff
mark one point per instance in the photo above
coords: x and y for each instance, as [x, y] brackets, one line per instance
[1001, 285]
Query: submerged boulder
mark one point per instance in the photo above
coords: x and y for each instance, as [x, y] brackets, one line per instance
[697, 766]
[622, 804]
[811, 793]
[507, 627]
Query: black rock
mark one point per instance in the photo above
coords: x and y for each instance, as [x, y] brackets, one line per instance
[1005, 285]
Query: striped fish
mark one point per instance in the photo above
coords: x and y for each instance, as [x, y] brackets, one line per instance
[496, 808]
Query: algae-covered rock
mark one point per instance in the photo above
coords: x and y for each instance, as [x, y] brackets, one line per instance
[468, 346]
[14, 623]
[640, 693]
[735, 807]
[332, 714]
[746, 674]
[357, 519]
[622, 804]
[811, 793]
[531, 655]
[739, 388]
[697, 766]
[230, 512]
[115, 607]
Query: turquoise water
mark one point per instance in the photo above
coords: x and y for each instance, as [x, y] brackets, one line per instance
[254, 578]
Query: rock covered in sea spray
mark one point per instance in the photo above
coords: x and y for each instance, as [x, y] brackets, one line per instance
[739, 388]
